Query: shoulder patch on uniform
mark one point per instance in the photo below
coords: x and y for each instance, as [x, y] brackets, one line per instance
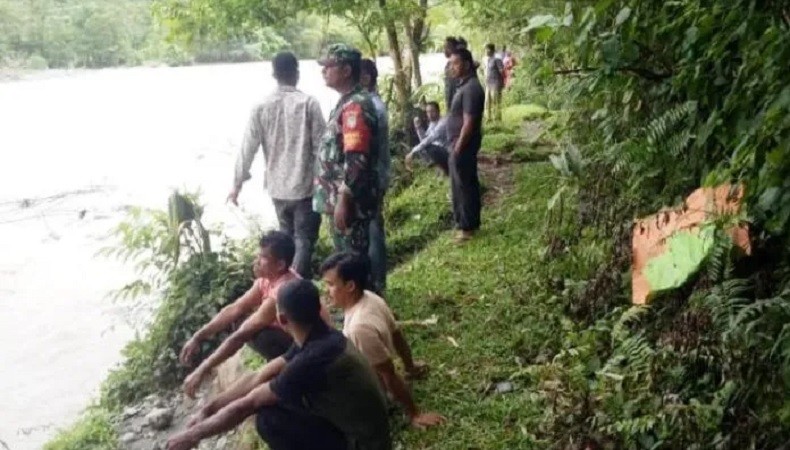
[356, 132]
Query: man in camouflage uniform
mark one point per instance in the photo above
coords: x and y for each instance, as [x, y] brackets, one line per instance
[347, 187]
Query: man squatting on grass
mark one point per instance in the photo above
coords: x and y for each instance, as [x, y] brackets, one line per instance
[322, 394]
[371, 326]
[256, 308]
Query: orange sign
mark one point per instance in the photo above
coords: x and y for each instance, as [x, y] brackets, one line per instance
[650, 234]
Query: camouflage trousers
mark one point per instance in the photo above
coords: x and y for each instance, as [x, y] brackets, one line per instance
[356, 238]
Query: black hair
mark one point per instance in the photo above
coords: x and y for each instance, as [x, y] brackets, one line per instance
[369, 66]
[451, 40]
[491, 47]
[434, 104]
[465, 55]
[281, 245]
[285, 65]
[300, 302]
[356, 70]
[350, 266]
[462, 44]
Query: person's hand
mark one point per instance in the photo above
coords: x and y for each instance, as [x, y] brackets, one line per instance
[342, 213]
[192, 383]
[198, 417]
[183, 441]
[233, 197]
[188, 352]
[425, 420]
[418, 371]
[408, 162]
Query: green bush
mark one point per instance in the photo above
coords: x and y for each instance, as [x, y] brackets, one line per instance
[195, 292]
[37, 62]
[94, 430]
[500, 143]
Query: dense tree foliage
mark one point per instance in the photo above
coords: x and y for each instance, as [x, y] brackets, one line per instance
[95, 33]
[657, 99]
[41, 34]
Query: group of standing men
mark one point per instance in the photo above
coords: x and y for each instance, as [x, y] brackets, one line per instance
[321, 388]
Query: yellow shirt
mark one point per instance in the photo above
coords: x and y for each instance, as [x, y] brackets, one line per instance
[369, 325]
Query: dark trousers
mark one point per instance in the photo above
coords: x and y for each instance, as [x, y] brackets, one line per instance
[465, 186]
[285, 429]
[377, 252]
[298, 219]
[271, 342]
[438, 156]
[356, 238]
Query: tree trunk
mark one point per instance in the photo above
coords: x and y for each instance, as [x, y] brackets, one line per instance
[402, 87]
[415, 29]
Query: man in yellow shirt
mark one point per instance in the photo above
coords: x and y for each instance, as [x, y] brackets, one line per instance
[370, 325]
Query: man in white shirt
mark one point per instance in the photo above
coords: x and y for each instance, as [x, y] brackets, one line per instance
[288, 126]
[433, 143]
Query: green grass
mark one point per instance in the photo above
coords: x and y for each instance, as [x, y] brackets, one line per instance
[93, 431]
[510, 139]
[489, 297]
[517, 114]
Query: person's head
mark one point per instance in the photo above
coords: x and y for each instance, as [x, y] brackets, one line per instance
[275, 255]
[368, 74]
[461, 63]
[450, 43]
[432, 110]
[298, 306]
[345, 275]
[341, 67]
[285, 68]
[490, 49]
[462, 44]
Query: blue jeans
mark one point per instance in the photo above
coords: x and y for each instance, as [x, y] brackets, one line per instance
[377, 252]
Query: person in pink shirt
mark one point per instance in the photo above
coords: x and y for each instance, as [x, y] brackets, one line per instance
[510, 63]
[257, 307]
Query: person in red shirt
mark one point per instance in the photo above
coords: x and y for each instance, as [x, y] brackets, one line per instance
[509, 61]
[257, 307]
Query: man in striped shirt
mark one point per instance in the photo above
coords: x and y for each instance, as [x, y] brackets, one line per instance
[288, 126]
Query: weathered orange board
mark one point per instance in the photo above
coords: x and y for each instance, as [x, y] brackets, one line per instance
[650, 234]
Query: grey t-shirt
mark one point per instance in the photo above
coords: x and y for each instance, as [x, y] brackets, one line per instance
[494, 71]
[468, 99]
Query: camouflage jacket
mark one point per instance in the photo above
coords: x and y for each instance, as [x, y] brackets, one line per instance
[348, 156]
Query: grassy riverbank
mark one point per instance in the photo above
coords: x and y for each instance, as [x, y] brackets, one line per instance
[528, 328]
[418, 220]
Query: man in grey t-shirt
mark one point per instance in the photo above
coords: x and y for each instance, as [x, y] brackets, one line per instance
[288, 125]
[495, 82]
[464, 132]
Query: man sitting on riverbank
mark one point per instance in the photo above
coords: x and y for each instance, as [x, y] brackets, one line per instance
[371, 326]
[321, 394]
[260, 330]
[433, 143]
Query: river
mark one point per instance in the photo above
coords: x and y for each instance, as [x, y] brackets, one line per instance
[76, 150]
